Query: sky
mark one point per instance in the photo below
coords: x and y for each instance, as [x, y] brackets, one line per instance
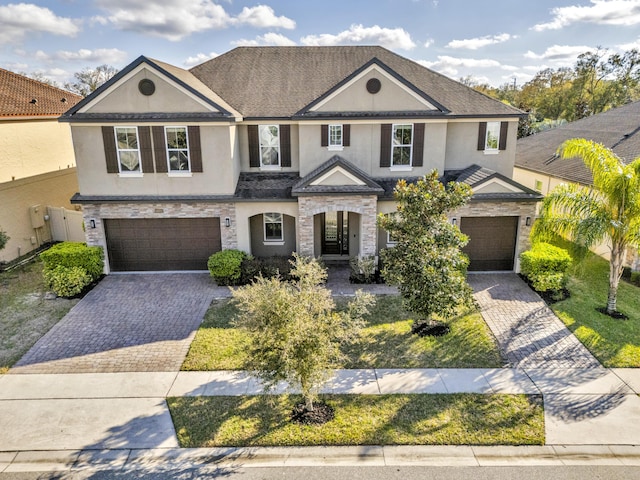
[489, 41]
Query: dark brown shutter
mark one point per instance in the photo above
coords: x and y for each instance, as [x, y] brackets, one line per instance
[324, 135]
[111, 156]
[418, 144]
[254, 146]
[146, 152]
[195, 149]
[385, 145]
[285, 145]
[482, 135]
[504, 128]
[346, 135]
[159, 149]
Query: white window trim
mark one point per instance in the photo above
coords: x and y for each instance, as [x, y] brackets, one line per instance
[491, 151]
[177, 173]
[336, 147]
[279, 241]
[134, 173]
[270, 167]
[400, 168]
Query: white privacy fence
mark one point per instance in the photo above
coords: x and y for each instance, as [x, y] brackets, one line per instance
[66, 225]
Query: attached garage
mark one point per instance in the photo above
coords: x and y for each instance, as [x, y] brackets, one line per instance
[492, 242]
[156, 244]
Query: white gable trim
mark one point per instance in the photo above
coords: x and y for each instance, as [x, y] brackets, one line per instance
[497, 181]
[134, 72]
[340, 170]
[378, 71]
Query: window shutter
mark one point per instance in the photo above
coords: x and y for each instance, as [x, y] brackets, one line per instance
[418, 144]
[254, 146]
[482, 135]
[146, 152]
[385, 145]
[324, 135]
[111, 156]
[346, 135]
[285, 145]
[195, 149]
[159, 149]
[504, 128]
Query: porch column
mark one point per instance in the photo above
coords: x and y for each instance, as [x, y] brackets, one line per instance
[368, 225]
[305, 226]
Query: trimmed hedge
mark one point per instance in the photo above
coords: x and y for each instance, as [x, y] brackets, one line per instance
[545, 266]
[268, 267]
[225, 266]
[74, 254]
[67, 281]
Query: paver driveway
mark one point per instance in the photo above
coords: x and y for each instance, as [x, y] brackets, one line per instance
[127, 323]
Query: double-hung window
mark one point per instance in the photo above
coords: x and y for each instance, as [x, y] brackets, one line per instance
[127, 149]
[273, 231]
[177, 149]
[401, 144]
[335, 136]
[492, 138]
[269, 145]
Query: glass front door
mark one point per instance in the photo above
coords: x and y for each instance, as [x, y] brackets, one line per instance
[335, 233]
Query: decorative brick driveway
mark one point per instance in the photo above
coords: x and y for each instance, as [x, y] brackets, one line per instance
[127, 323]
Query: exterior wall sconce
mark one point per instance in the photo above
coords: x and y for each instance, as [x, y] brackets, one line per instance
[92, 223]
[454, 221]
[227, 222]
[527, 221]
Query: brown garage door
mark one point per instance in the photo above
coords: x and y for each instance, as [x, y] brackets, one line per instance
[492, 242]
[161, 243]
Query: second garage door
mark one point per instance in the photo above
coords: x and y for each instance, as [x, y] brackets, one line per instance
[492, 242]
[156, 244]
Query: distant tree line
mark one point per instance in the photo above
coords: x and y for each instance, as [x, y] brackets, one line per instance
[85, 81]
[598, 81]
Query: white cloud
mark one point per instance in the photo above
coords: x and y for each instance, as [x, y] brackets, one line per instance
[170, 19]
[263, 16]
[85, 56]
[19, 20]
[629, 46]
[199, 58]
[358, 34]
[428, 43]
[602, 12]
[447, 62]
[274, 39]
[559, 52]
[476, 43]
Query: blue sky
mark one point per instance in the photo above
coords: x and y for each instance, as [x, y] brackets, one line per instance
[493, 41]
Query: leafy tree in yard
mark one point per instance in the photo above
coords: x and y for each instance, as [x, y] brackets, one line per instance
[426, 262]
[295, 331]
[89, 79]
[607, 212]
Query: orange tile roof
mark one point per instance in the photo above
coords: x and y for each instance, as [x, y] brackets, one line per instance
[21, 96]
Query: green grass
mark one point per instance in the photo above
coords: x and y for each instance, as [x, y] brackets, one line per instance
[455, 419]
[386, 342]
[25, 315]
[615, 343]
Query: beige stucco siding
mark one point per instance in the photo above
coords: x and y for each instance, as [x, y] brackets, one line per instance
[218, 177]
[33, 147]
[243, 139]
[529, 179]
[246, 210]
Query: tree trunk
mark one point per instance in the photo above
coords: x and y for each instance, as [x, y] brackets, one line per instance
[615, 273]
[308, 404]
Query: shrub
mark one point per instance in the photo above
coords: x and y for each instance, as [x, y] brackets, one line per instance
[268, 267]
[67, 281]
[545, 266]
[225, 266]
[635, 278]
[74, 254]
[363, 269]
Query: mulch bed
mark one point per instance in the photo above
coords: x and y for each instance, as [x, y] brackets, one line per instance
[321, 413]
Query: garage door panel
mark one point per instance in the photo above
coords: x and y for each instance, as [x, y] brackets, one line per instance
[161, 244]
[492, 242]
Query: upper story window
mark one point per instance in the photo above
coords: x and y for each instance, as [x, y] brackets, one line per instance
[401, 145]
[335, 136]
[492, 136]
[177, 149]
[127, 149]
[492, 140]
[273, 231]
[269, 145]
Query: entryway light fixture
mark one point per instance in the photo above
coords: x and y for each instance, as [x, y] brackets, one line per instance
[527, 221]
[92, 223]
[454, 221]
[227, 222]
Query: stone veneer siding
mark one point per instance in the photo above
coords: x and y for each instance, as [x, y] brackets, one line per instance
[309, 206]
[504, 209]
[98, 212]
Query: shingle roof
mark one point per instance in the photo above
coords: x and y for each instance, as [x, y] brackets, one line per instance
[265, 185]
[305, 187]
[277, 82]
[617, 129]
[21, 96]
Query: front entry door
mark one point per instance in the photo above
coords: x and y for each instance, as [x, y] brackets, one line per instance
[335, 233]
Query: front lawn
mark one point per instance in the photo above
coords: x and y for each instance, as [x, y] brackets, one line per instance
[454, 419]
[25, 315]
[386, 342]
[615, 343]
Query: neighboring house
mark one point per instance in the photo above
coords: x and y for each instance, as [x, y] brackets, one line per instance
[279, 149]
[538, 167]
[36, 160]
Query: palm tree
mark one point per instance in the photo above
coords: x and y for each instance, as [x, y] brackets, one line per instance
[609, 211]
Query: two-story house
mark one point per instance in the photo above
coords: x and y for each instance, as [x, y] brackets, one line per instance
[279, 149]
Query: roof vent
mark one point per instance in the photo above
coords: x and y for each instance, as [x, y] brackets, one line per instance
[64, 100]
[146, 87]
[373, 86]
[34, 101]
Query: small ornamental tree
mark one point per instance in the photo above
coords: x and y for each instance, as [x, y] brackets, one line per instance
[295, 331]
[426, 262]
